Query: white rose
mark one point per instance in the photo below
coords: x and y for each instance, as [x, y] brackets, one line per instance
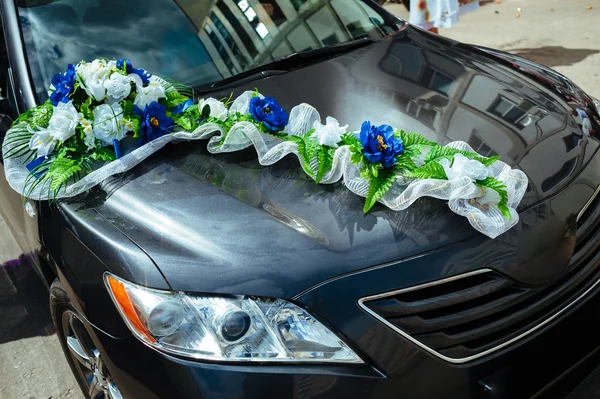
[63, 122]
[117, 86]
[217, 108]
[489, 197]
[150, 93]
[464, 166]
[329, 134]
[92, 76]
[43, 142]
[107, 123]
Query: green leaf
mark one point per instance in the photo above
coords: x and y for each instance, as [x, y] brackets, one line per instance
[349, 139]
[136, 127]
[325, 158]
[378, 186]
[174, 98]
[305, 150]
[410, 139]
[128, 108]
[505, 211]
[103, 154]
[183, 120]
[499, 187]
[87, 112]
[41, 115]
[438, 153]
[60, 171]
[405, 163]
[432, 170]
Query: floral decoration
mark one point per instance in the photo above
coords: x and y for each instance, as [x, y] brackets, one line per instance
[94, 107]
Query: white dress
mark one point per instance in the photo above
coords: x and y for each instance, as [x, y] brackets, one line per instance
[439, 13]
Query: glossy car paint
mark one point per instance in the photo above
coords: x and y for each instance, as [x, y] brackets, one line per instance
[190, 221]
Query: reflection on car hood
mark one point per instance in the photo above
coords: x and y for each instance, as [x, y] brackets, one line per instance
[225, 224]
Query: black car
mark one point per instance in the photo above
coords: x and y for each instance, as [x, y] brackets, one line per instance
[209, 276]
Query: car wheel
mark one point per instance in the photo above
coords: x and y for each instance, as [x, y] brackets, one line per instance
[82, 354]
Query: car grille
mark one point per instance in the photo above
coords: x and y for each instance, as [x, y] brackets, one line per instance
[468, 316]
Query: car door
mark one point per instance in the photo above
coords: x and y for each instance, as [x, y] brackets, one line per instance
[20, 215]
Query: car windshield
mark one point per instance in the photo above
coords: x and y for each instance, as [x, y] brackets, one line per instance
[195, 42]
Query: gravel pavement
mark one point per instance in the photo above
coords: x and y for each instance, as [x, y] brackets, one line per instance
[567, 39]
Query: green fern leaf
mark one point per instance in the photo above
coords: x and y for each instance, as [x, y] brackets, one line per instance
[405, 163]
[302, 151]
[438, 153]
[378, 186]
[410, 139]
[432, 170]
[325, 158]
[103, 154]
[61, 170]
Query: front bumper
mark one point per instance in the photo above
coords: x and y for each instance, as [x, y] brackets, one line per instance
[552, 361]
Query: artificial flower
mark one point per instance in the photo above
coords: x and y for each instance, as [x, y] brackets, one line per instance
[63, 122]
[43, 142]
[142, 73]
[154, 121]
[489, 197]
[107, 123]
[93, 74]
[149, 94]
[329, 134]
[463, 166]
[217, 108]
[63, 84]
[268, 111]
[380, 144]
[181, 107]
[117, 86]
[128, 125]
[89, 139]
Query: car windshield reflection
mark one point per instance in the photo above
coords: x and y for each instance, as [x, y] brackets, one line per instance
[195, 42]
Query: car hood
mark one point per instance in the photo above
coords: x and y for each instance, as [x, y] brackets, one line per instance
[225, 224]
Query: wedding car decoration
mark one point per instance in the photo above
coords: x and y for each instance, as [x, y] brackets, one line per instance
[104, 117]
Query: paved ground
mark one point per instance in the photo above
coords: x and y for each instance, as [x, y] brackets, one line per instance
[32, 365]
[567, 39]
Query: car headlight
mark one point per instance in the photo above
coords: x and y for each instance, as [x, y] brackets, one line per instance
[225, 328]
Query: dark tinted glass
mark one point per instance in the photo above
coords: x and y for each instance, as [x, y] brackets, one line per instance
[195, 42]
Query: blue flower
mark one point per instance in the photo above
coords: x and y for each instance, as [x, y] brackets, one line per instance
[142, 73]
[379, 144]
[154, 122]
[268, 111]
[63, 85]
[181, 107]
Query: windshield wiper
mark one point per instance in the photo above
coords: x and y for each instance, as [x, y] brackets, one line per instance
[289, 62]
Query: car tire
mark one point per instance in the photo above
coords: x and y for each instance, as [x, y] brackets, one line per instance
[79, 349]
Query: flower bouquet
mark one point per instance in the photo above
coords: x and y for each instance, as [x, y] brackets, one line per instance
[105, 117]
[92, 108]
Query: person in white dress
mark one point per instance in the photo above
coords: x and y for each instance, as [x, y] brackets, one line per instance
[435, 14]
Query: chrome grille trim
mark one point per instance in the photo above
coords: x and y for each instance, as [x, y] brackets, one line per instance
[587, 205]
[361, 303]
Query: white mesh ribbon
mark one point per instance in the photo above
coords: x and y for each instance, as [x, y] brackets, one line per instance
[463, 195]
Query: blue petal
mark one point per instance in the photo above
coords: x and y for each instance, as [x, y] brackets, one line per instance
[179, 108]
